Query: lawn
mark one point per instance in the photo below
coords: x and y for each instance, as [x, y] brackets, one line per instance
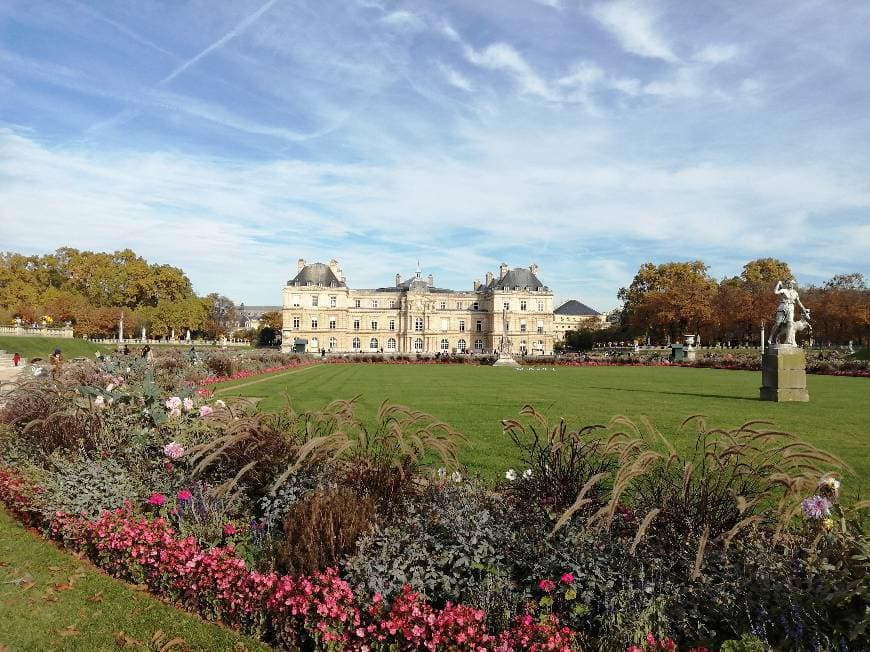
[474, 399]
[42, 347]
[50, 600]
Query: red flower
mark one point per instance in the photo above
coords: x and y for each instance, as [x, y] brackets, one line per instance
[157, 499]
[547, 585]
[567, 578]
[229, 529]
[184, 494]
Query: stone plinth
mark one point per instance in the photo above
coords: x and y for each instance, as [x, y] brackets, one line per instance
[505, 360]
[784, 374]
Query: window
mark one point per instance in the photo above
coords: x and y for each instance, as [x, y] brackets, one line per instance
[295, 300]
[391, 303]
[540, 306]
[522, 304]
[332, 301]
[478, 326]
[461, 346]
[478, 345]
[461, 324]
[373, 344]
[507, 305]
[374, 324]
[475, 305]
[296, 321]
[540, 325]
[313, 323]
[442, 305]
[356, 344]
[374, 303]
[418, 344]
[356, 324]
[391, 344]
[309, 284]
[418, 324]
[357, 303]
[333, 343]
[459, 305]
[392, 324]
[522, 325]
[506, 288]
[332, 321]
[445, 324]
[445, 345]
[523, 347]
[314, 300]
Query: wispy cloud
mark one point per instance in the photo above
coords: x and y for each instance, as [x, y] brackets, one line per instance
[633, 25]
[718, 53]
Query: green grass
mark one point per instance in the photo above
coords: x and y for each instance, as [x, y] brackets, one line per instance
[42, 347]
[51, 600]
[474, 399]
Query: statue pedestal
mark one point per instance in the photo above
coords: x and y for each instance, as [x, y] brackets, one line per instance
[505, 360]
[691, 354]
[784, 374]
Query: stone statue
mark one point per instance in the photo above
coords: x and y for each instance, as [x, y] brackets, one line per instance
[505, 346]
[784, 328]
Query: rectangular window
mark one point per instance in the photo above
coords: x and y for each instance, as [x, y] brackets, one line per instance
[522, 325]
[475, 305]
[356, 324]
[462, 324]
[445, 324]
[540, 325]
[374, 325]
[392, 324]
[296, 322]
[442, 305]
[391, 303]
[332, 322]
[314, 323]
[540, 306]
[332, 301]
[522, 304]
[374, 303]
[356, 303]
[507, 305]
[459, 305]
[314, 300]
[295, 300]
[478, 327]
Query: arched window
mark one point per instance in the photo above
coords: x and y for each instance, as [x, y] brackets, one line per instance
[391, 344]
[356, 343]
[461, 345]
[373, 344]
[418, 324]
[478, 345]
[418, 344]
[445, 345]
[333, 343]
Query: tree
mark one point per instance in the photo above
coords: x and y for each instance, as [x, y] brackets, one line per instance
[221, 314]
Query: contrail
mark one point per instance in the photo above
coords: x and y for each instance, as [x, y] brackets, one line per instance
[219, 43]
[121, 28]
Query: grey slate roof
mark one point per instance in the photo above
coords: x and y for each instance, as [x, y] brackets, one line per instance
[316, 274]
[576, 308]
[519, 277]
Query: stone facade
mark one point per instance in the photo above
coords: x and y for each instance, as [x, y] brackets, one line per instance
[320, 312]
[572, 316]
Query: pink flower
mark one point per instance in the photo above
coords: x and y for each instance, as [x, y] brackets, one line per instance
[229, 529]
[173, 450]
[174, 412]
[205, 410]
[650, 639]
[157, 499]
[547, 585]
[184, 494]
[173, 402]
[188, 404]
[567, 578]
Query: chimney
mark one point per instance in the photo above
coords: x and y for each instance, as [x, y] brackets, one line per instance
[488, 278]
[333, 265]
[300, 264]
[398, 280]
[533, 268]
[431, 280]
[502, 270]
[476, 285]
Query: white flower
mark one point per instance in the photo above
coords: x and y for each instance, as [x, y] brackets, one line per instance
[173, 403]
[188, 404]
[99, 403]
[220, 403]
[511, 475]
[527, 474]
[174, 412]
[456, 477]
[110, 387]
[442, 473]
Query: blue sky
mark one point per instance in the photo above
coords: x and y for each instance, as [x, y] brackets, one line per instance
[231, 138]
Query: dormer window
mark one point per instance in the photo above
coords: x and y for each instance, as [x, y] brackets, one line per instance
[506, 288]
[309, 283]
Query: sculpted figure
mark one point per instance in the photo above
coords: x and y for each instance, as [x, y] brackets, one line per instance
[784, 324]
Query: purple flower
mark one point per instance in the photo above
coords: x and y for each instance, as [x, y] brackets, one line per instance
[816, 507]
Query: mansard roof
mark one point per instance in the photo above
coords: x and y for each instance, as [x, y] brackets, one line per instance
[519, 277]
[576, 309]
[316, 274]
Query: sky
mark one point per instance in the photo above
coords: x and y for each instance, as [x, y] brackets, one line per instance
[232, 138]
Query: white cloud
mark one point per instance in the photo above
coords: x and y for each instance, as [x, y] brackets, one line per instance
[501, 56]
[633, 25]
[455, 78]
[404, 19]
[717, 53]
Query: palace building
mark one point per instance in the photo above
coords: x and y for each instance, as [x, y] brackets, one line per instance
[320, 312]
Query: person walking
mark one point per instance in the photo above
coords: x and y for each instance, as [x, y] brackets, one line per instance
[16, 358]
[56, 363]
